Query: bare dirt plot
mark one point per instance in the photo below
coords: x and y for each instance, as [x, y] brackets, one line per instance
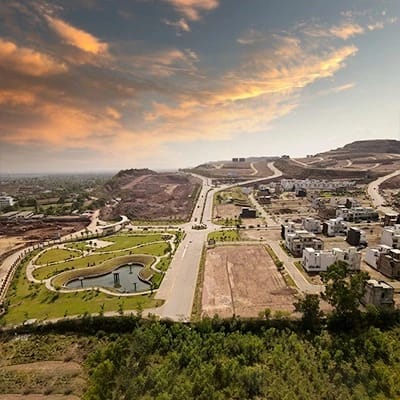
[56, 379]
[222, 211]
[243, 280]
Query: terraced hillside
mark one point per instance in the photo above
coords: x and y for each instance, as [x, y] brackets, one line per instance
[142, 194]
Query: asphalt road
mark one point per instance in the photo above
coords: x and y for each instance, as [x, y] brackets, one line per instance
[373, 191]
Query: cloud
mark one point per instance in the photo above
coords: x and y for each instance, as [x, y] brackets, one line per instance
[28, 61]
[77, 37]
[336, 89]
[16, 97]
[181, 25]
[166, 62]
[346, 30]
[343, 31]
[252, 36]
[113, 113]
[191, 9]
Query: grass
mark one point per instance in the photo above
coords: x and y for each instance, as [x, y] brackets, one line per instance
[127, 241]
[54, 255]
[196, 309]
[224, 236]
[27, 300]
[104, 268]
[299, 266]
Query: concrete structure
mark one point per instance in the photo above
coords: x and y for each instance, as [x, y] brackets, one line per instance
[389, 263]
[289, 185]
[319, 260]
[391, 236]
[378, 293]
[312, 225]
[372, 255]
[356, 237]
[6, 201]
[334, 226]
[357, 214]
[298, 240]
[248, 213]
[391, 218]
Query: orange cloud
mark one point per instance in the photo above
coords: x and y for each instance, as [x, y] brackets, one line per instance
[346, 30]
[28, 61]
[192, 8]
[17, 97]
[77, 37]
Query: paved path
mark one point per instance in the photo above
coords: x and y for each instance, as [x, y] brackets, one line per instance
[255, 171]
[373, 191]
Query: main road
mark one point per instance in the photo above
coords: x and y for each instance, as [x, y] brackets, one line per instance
[373, 190]
[179, 284]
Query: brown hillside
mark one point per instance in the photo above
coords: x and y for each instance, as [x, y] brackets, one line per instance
[148, 195]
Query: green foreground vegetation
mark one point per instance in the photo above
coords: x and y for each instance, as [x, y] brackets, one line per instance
[130, 358]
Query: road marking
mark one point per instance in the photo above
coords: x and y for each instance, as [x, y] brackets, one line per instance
[184, 251]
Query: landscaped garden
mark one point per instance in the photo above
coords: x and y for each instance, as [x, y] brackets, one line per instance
[80, 259]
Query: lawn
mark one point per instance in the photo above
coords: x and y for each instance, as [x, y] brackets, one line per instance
[127, 241]
[224, 236]
[27, 300]
[54, 255]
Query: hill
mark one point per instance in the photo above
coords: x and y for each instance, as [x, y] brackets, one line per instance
[143, 194]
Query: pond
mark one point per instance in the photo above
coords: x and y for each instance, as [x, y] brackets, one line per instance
[128, 277]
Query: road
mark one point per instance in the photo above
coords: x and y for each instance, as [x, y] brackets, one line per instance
[373, 191]
[179, 284]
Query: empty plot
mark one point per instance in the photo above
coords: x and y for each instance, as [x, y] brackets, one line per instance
[242, 281]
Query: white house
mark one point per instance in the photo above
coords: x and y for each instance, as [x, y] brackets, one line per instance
[6, 201]
[312, 225]
[334, 226]
[372, 255]
[320, 260]
[391, 236]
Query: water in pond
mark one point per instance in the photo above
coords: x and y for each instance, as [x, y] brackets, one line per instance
[128, 276]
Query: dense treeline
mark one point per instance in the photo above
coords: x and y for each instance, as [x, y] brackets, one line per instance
[159, 361]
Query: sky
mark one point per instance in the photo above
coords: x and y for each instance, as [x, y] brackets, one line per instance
[97, 85]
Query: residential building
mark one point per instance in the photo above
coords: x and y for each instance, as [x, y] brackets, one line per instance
[320, 260]
[289, 185]
[312, 225]
[372, 255]
[391, 219]
[357, 214]
[356, 237]
[6, 201]
[389, 263]
[391, 236]
[378, 293]
[298, 240]
[248, 213]
[334, 226]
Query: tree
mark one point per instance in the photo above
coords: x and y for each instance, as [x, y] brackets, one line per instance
[309, 307]
[344, 290]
